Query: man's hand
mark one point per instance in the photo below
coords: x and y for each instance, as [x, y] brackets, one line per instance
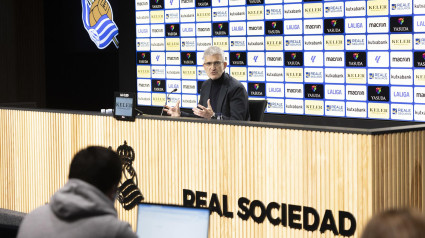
[173, 111]
[205, 112]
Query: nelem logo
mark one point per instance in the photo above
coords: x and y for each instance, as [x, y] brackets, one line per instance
[101, 26]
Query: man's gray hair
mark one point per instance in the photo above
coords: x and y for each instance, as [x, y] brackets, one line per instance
[214, 50]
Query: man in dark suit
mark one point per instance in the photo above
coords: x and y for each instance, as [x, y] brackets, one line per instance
[222, 96]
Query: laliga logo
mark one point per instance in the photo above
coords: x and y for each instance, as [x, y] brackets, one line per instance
[158, 83]
[98, 21]
[220, 26]
[356, 56]
[333, 23]
[401, 21]
[274, 25]
[378, 90]
[294, 55]
[256, 86]
[238, 55]
[314, 88]
[172, 27]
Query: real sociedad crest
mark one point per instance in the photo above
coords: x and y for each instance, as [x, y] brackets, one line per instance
[99, 23]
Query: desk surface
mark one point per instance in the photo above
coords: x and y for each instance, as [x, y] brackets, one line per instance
[311, 123]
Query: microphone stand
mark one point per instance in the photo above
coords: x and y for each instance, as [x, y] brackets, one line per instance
[166, 100]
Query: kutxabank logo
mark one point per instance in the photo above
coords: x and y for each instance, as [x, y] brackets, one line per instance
[98, 21]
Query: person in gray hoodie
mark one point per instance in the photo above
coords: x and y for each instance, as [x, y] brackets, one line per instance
[84, 206]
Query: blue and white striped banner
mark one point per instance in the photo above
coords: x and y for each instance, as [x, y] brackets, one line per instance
[103, 32]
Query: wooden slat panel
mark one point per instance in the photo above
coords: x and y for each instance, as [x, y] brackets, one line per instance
[360, 174]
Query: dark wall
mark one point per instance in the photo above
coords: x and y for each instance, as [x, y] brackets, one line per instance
[79, 75]
[22, 68]
[48, 59]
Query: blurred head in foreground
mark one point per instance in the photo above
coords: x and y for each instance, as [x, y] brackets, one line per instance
[403, 223]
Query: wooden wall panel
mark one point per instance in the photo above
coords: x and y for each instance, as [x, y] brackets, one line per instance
[360, 174]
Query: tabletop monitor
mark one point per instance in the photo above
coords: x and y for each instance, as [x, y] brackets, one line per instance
[124, 106]
[158, 221]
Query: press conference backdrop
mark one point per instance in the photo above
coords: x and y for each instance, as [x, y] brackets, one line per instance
[356, 59]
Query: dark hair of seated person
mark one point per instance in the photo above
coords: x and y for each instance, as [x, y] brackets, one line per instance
[98, 166]
[404, 223]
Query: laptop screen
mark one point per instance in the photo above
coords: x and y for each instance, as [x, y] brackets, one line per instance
[164, 221]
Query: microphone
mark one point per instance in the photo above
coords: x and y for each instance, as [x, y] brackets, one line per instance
[166, 100]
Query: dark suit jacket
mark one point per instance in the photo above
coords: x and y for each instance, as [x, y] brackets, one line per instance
[232, 101]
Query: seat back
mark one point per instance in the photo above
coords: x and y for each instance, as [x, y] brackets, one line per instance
[256, 109]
